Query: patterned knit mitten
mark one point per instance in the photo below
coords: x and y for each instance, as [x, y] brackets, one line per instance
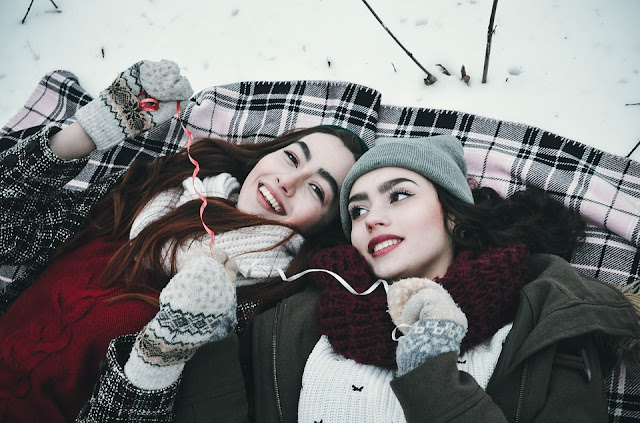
[437, 325]
[116, 114]
[197, 306]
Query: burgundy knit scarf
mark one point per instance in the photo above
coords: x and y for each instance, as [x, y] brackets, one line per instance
[485, 285]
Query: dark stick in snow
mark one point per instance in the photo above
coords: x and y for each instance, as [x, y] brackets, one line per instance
[430, 79]
[29, 9]
[489, 35]
[634, 149]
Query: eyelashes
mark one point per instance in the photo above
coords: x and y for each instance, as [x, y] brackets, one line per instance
[317, 190]
[398, 194]
[292, 158]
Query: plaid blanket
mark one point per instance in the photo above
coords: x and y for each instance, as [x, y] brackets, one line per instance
[603, 188]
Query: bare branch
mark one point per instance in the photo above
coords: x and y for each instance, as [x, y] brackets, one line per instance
[490, 33]
[430, 76]
[28, 10]
[444, 70]
[634, 149]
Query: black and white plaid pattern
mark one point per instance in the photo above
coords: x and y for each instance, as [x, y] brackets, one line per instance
[37, 213]
[604, 188]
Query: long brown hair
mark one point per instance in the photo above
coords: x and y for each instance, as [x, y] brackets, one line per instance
[138, 263]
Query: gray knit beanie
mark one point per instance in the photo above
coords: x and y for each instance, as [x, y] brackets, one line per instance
[440, 159]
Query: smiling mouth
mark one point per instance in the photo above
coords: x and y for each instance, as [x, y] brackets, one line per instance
[271, 200]
[385, 244]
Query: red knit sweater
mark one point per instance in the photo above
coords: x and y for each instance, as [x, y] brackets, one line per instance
[57, 332]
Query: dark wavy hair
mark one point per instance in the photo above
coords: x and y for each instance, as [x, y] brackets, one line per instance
[114, 214]
[530, 216]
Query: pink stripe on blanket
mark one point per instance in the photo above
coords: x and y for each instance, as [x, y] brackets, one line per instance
[44, 104]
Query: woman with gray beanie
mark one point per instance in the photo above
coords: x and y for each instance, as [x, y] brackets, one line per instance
[496, 325]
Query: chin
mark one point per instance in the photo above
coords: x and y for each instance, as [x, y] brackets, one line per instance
[388, 276]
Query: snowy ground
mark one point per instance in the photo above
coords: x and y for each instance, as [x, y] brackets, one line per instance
[571, 67]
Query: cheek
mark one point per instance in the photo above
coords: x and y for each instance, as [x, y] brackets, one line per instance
[357, 240]
[307, 217]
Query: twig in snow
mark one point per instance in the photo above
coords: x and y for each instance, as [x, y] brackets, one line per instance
[634, 149]
[444, 70]
[29, 9]
[466, 78]
[632, 104]
[490, 33]
[430, 79]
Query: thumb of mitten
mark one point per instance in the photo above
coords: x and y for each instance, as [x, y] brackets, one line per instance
[229, 264]
[398, 295]
[414, 299]
[162, 81]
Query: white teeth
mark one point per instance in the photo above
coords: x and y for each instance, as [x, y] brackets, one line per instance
[385, 244]
[269, 197]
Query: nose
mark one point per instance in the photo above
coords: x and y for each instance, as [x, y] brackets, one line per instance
[375, 218]
[289, 182]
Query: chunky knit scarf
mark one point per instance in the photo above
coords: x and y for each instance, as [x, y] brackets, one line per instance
[486, 285]
[252, 247]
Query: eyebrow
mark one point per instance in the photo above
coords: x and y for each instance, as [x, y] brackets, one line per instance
[305, 149]
[386, 186]
[392, 183]
[324, 174]
[330, 180]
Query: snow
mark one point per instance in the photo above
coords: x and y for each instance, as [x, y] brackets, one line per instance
[566, 66]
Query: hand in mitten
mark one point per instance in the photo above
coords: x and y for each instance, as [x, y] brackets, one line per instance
[436, 324]
[197, 306]
[116, 113]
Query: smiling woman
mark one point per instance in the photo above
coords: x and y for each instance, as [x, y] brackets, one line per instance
[298, 185]
[142, 262]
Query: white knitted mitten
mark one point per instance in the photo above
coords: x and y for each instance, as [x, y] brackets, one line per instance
[197, 306]
[437, 325]
[116, 113]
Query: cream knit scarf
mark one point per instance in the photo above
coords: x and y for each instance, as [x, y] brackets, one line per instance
[250, 247]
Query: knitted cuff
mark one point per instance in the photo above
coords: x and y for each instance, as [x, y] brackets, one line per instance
[427, 339]
[114, 395]
[150, 376]
[103, 123]
[174, 336]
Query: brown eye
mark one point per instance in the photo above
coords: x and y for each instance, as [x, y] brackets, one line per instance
[318, 191]
[398, 196]
[292, 158]
[356, 211]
